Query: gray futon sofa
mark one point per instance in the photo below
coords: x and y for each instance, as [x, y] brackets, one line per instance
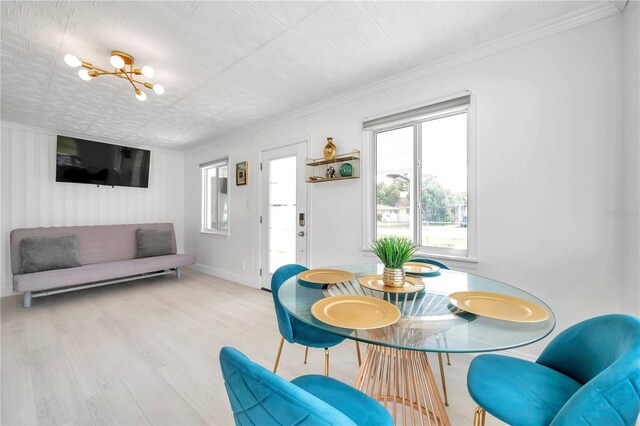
[107, 255]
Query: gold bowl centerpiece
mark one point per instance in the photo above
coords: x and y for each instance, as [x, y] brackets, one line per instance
[393, 252]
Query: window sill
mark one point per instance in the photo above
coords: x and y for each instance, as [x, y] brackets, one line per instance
[368, 252]
[218, 234]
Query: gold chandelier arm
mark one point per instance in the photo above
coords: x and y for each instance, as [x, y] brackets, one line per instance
[130, 80]
[98, 73]
[121, 73]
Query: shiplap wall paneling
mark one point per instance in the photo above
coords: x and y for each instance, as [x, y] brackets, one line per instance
[31, 197]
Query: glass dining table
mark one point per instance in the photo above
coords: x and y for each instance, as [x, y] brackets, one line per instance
[395, 369]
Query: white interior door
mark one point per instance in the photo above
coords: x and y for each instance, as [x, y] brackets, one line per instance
[283, 210]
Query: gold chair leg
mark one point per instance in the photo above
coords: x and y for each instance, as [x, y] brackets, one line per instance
[444, 382]
[479, 416]
[275, 367]
[306, 353]
[448, 359]
[358, 352]
[326, 361]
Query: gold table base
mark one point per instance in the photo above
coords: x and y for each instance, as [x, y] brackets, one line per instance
[404, 379]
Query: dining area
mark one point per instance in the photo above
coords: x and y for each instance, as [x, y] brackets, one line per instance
[396, 317]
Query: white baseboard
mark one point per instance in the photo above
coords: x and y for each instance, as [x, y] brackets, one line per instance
[226, 275]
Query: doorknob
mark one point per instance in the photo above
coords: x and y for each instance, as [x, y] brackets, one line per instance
[301, 234]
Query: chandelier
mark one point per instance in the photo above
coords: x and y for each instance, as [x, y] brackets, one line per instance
[123, 64]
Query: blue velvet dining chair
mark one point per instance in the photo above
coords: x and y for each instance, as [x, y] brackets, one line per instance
[259, 397]
[429, 261]
[441, 364]
[588, 375]
[295, 331]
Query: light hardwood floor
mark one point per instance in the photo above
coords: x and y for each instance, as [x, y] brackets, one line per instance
[147, 353]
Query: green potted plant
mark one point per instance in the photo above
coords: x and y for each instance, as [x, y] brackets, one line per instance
[393, 252]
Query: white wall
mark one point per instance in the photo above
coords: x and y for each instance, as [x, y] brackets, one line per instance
[30, 196]
[548, 154]
[630, 206]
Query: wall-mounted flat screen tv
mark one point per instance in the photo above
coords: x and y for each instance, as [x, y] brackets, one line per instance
[97, 163]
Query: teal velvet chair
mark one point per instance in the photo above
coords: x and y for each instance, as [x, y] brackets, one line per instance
[588, 375]
[295, 331]
[259, 397]
[430, 261]
[440, 363]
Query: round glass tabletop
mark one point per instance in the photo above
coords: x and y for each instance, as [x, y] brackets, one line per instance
[428, 321]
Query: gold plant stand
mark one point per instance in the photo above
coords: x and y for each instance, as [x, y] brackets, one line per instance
[404, 379]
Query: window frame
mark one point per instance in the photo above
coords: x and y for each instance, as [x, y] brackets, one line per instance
[205, 198]
[370, 181]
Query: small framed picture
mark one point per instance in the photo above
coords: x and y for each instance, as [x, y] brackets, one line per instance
[241, 173]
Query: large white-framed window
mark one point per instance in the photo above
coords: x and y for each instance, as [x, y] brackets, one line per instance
[215, 196]
[420, 178]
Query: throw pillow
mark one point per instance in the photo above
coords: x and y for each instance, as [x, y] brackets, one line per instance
[153, 242]
[47, 253]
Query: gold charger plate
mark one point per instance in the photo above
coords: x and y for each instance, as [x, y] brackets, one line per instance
[355, 312]
[498, 306]
[420, 268]
[374, 282]
[325, 276]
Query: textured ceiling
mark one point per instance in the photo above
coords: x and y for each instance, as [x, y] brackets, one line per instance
[227, 65]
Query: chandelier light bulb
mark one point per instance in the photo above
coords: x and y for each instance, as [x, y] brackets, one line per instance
[158, 88]
[84, 74]
[72, 60]
[141, 95]
[116, 61]
[148, 72]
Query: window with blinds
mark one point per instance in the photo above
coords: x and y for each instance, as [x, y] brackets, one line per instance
[420, 177]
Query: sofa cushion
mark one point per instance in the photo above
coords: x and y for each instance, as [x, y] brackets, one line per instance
[153, 242]
[98, 272]
[47, 253]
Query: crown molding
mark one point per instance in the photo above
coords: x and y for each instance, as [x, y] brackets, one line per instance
[620, 4]
[54, 132]
[560, 24]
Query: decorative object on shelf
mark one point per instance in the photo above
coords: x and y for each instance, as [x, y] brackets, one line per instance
[331, 172]
[346, 169]
[330, 150]
[241, 173]
[393, 251]
[119, 60]
[317, 167]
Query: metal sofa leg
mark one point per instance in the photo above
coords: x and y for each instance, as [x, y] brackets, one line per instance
[178, 273]
[27, 299]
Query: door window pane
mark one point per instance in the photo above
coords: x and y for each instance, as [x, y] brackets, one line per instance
[394, 171]
[444, 182]
[282, 212]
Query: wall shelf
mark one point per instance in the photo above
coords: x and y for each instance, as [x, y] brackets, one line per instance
[316, 170]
